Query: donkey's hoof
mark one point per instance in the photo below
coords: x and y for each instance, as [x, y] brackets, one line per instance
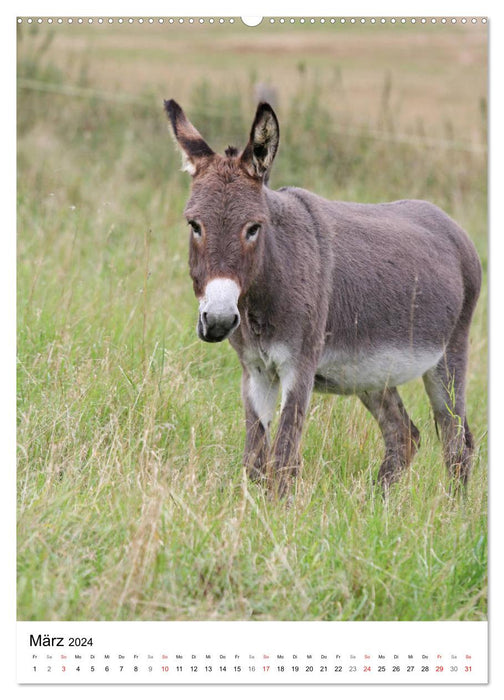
[280, 487]
[389, 473]
[257, 474]
[459, 477]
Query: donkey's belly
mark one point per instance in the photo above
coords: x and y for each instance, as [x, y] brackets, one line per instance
[341, 372]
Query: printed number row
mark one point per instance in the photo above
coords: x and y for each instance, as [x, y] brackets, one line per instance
[254, 669]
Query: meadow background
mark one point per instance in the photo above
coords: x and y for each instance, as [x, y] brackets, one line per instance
[132, 501]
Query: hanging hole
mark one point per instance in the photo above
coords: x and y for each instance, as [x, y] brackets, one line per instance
[251, 21]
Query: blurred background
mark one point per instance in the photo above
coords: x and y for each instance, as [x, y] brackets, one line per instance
[376, 110]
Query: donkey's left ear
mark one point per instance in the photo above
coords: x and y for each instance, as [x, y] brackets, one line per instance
[193, 147]
[259, 153]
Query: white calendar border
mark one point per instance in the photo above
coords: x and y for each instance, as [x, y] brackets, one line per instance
[309, 653]
[7, 649]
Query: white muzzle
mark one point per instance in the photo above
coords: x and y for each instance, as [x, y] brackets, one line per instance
[218, 310]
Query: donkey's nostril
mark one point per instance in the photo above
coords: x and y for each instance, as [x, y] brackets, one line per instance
[217, 327]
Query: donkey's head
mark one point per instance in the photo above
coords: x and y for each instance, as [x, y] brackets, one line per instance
[227, 215]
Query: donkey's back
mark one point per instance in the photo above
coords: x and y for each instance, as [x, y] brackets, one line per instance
[399, 279]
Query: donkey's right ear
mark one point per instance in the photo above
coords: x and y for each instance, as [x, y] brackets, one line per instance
[259, 153]
[192, 145]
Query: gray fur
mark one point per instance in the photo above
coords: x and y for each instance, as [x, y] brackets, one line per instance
[339, 297]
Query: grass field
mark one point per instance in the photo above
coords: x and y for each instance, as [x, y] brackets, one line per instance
[132, 501]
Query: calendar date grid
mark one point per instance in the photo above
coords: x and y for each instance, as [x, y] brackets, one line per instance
[257, 664]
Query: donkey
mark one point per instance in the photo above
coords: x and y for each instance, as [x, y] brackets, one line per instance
[329, 296]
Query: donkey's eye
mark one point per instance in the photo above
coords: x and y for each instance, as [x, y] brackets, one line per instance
[252, 232]
[196, 229]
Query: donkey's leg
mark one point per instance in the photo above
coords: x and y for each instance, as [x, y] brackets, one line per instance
[401, 436]
[296, 391]
[259, 395]
[445, 386]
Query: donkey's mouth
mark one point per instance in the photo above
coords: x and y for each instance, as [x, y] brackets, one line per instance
[216, 333]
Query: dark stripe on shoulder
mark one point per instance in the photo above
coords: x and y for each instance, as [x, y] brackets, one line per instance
[296, 193]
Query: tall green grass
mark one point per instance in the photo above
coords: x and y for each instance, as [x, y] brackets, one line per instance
[132, 500]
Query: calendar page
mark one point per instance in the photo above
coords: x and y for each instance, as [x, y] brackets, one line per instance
[266, 653]
[252, 349]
